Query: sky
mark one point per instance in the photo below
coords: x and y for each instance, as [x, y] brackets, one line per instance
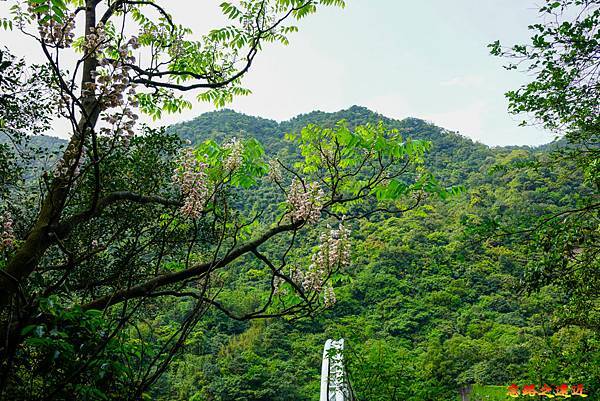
[426, 59]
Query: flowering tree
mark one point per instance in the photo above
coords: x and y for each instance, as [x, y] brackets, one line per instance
[124, 222]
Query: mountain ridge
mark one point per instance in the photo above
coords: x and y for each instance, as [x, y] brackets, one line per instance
[356, 111]
[452, 157]
[262, 128]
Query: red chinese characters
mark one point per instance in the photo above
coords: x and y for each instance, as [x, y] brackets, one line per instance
[513, 390]
[546, 391]
[562, 390]
[529, 390]
[578, 390]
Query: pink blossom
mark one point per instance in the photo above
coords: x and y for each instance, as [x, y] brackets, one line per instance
[274, 174]
[234, 159]
[7, 237]
[306, 202]
[51, 31]
[112, 84]
[329, 298]
[192, 178]
[332, 255]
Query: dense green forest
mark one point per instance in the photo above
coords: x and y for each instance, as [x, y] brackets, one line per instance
[435, 298]
[432, 302]
[211, 260]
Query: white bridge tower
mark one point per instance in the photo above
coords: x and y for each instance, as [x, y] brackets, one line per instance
[334, 381]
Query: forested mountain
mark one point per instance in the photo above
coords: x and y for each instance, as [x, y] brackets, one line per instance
[450, 147]
[211, 260]
[432, 303]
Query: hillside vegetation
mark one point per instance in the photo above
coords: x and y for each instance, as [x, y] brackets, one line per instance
[211, 260]
[432, 302]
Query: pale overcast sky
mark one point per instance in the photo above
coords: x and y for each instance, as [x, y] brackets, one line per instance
[424, 58]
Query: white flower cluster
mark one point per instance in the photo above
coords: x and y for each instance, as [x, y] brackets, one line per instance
[62, 167]
[7, 237]
[112, 85]
[176, 48]
[333, 255]
[335, 248]
[192, 178]
[52, 32]
[305, 202]
[121, 124]
[274, 174]
[329, 298]
[234, 159]
[295, 275]
[96, 40]
[277, 282]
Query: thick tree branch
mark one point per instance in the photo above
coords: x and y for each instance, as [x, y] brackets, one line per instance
[152, 285]
[111, 199]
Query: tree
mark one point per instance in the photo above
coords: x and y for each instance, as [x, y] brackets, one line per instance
[564, 60]
[127, 222]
